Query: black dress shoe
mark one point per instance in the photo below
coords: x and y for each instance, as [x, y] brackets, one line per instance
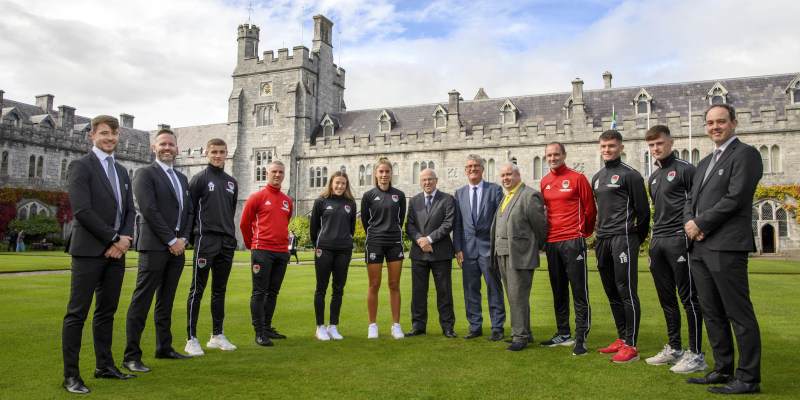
[172, 354]
[135, 366]
[111, 372]
[495, 336]
[517, 347]
[273, 334]
[74, 384]
[736, 387]
[710, 378]
[473, 334]
[263, 341]
[415, 332]
[449, 334]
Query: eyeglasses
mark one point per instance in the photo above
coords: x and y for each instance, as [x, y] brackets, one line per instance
[429, 180]
[472, 166]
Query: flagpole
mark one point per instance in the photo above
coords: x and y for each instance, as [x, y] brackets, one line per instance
[649, 158]
[690, 132]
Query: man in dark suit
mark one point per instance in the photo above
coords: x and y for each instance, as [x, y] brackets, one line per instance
[718, 219]
[102, 204]
[519, 231]
[475, 207]
[429, 223]
[162, 197]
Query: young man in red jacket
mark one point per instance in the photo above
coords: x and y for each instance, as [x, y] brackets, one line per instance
[571, 214]
[265, 230]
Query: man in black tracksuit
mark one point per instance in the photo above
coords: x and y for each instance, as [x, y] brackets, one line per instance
[623, 221]
[669, 254]
[214, 194]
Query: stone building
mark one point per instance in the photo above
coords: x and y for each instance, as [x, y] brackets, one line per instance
[37, 143]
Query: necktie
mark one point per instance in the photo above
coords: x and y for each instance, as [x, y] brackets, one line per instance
[177, 187]
[112, 177]
[428, 201]
[714, 158]
[474, 206]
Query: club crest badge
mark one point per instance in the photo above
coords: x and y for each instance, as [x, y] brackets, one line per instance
[347, 208]
[231, 186]
[395, 198]
[285, 204]
[565, 183]
[256, 269]
[210, 186]
[201, 262]
[670, 176]
[596, 184]
[319, 253]
[614, 178]
[371, 256]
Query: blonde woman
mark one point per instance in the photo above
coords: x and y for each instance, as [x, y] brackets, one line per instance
[383, 209]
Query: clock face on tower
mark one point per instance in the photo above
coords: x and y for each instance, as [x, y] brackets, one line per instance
[266, 88]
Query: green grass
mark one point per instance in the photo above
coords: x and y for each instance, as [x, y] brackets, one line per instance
[428, 367]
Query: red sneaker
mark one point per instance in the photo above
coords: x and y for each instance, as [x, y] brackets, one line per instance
[613, 348]
[626, 354]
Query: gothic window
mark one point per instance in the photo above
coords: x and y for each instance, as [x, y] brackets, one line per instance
[793, 90]
[642, 105]
[385, 123]
[327, 129]
[265, 115]
[537, 168]
[491, 172]
[63, 169]
[324, 176]
[684, 155]
[764, 157]
[568, 108]
[32, 166]
[754, 222]
[4, 164]
[311, 177]
[775, 159]
[415, 170]
[370, 181]
[130, 173]
[395, 174]
[508, 113]
[441, 120]
[422, 166]
[23, 213]
[766, 211]
[15, 121]
[648, 164]
[695, 157]
[362, 177]
[783, 227]
[431, 165]
[32, 209]
[796, 96]
[717, 95]
[263, 158]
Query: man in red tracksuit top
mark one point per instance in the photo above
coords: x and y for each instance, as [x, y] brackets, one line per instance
[571, 214]
[265, 230]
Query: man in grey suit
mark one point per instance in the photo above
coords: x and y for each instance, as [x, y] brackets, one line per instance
[718, 215]
[475, 207]
[519, 231]
[429, 223]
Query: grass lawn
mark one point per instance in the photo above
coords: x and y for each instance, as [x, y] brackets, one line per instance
[428, 366]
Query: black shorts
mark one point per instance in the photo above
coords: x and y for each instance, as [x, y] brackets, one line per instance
[374, 254]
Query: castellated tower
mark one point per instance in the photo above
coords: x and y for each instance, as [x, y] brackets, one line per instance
[276, 103]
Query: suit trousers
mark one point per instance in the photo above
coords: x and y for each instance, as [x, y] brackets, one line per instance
[566, 265]
[329, 263]
[443, 280]
[671, 268]
[91, 276]
[269, 268]
[158, 275]
[617, 262]
[471, 270]
[212, 254]
[724, 292]
[518, 289]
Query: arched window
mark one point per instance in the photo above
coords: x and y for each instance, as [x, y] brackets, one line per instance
[695, 157]
[327, 129]
[642, 107]
[362, 177]
[324, 176]
[64, 169]
[23, 213]
[537, 168]
[370, 181]
[754, 222]
[265, 115]
[783, 227]
[509, 116]
[648, 164]
[775, 159]
[395, 174]
[4, 164]
[385, 124]
[796, 96]
[415, 170]
[676, 153]
[764, 158]
[130, 173]
[766, 211]
[263, 158]
[431, 165]
[311, 182]
[491, 172]
[441, 120]
[32, 166]
[422, 166]
[318, 180]
[684, 155]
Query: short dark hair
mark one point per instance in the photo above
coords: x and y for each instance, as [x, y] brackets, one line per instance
[112, 122]
[166, 130]
[216, 142]
[731, 110]
[656, 132]
[611, 134]
[563, 149]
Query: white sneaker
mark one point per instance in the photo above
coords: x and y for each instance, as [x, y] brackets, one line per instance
[193, 348]
[690, 362]
[666, 356]
[333, 333]
[322, 333]
[220, 342]
[397, 331]
[372, 332]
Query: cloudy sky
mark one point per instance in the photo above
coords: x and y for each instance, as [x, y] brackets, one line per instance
[170, 61]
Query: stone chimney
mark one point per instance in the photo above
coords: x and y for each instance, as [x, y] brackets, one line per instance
[45, 102]
[66, 117]
[163, 126]
[453, 123]
[126, 120]
[606, 80]
[1, 99]
[578, 114]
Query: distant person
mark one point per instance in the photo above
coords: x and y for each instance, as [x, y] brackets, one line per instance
[265, 230]
[430, 220]
[383, 210]
[214, 196]
[333, 223]
[476, 204]
[12, 240]
[293, 247]
[101, 196]
[21, 241]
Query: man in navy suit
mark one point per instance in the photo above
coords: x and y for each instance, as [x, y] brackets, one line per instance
[476, 204]
[718, 219]
[162, 197]
[102, 204]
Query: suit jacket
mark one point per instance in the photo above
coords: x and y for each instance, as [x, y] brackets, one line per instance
[438, 223]
[722, 207]
[526, 225]
[159, 208]
[474, 239]
[94, 206]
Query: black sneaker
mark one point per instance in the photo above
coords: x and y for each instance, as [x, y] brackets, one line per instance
[579, 349]
[263, 340]
[273, 334]
[559, 340]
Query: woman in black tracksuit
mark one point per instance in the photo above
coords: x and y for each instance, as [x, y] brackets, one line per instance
[333, 222]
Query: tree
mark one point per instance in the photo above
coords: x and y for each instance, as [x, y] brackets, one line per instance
[359, 237]
[36, 226]
[302, 229]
